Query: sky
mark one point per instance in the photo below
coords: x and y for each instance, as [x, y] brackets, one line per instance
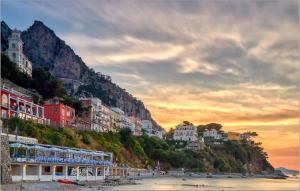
[225, 61]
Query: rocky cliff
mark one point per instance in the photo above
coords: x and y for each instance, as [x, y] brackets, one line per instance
[45, 49]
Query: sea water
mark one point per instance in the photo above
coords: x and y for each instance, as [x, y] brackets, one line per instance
[213, 184]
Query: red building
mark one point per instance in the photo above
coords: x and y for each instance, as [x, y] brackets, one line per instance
[60, 115]
[16, 104]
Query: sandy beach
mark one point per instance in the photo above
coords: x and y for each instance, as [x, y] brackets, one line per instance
[159, 183]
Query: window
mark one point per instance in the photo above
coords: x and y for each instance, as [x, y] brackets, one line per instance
[47, 168]
[4, 99]
[14, 55]
[55, 109]
[4, 113]
[13, 45]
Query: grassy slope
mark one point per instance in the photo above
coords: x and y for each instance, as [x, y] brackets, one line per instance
[145, 151]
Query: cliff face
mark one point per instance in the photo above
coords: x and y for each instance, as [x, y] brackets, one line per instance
[46, 50]
[5, 33]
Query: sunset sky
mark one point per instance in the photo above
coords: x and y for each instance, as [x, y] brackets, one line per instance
[230, 62]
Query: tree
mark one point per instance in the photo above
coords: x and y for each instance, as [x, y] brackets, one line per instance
[216, 126]
[187, 123]
[126, 136]
[46, 84]
[222, 164]
[10, 71]
[169, 134]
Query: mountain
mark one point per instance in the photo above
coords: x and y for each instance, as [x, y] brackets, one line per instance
[46, 50]
[5, 33]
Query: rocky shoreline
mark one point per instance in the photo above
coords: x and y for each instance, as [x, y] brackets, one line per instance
[55, 186]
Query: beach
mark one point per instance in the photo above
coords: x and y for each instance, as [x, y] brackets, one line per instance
[168, 183]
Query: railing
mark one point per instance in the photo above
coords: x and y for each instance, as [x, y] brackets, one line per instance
[60, 160]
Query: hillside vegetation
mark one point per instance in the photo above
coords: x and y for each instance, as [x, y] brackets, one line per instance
[144, 151]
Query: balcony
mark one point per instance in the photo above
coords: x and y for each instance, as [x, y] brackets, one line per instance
[5, 105]
[39, 153]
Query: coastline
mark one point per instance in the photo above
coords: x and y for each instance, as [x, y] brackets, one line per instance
[107, 185]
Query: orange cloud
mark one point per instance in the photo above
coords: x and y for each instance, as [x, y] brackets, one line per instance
[241, 109]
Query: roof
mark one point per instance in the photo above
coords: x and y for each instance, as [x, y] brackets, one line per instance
[55, 148]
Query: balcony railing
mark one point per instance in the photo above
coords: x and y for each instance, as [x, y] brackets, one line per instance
[42, 159]
[39, 153]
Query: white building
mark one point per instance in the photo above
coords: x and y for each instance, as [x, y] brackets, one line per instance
[120, 120]
[15, 53]
[94, 116]
[213, 133]
[160, 134]
[213, 136]
[49, 163]
[185, 132]
[147, 126]
[20, 139]
[106, 118]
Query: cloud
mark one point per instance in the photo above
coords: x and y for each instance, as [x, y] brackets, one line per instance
[233, 62]
[124, 49]
[190, 66]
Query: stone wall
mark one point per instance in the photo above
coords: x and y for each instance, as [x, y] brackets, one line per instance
[5, 161]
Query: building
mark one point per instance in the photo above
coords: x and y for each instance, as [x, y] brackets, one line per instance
[234, 136]
[15, 53]
[117, 119]
[81, 124]
[147, 127]
[137, 130]
[40, 162]
[245, 136]
[196, 145]
[16, 104]
[212, 133]
[185, 132]
[94, 115]
[212, 136]
[20, 139]
[120, 120]
[60, 115]
[160, 134]
[106, 118]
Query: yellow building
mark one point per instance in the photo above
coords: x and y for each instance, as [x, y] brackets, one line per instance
[234, 136]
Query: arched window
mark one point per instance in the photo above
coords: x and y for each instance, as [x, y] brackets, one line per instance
[4, 99]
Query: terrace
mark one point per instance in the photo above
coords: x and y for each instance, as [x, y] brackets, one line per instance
[33, 153]
[48, 162]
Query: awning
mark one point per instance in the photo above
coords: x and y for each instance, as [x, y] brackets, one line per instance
[17, 145]
[38, 147]
[86, 152]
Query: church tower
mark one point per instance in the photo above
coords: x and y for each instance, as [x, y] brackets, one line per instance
[15, 52]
